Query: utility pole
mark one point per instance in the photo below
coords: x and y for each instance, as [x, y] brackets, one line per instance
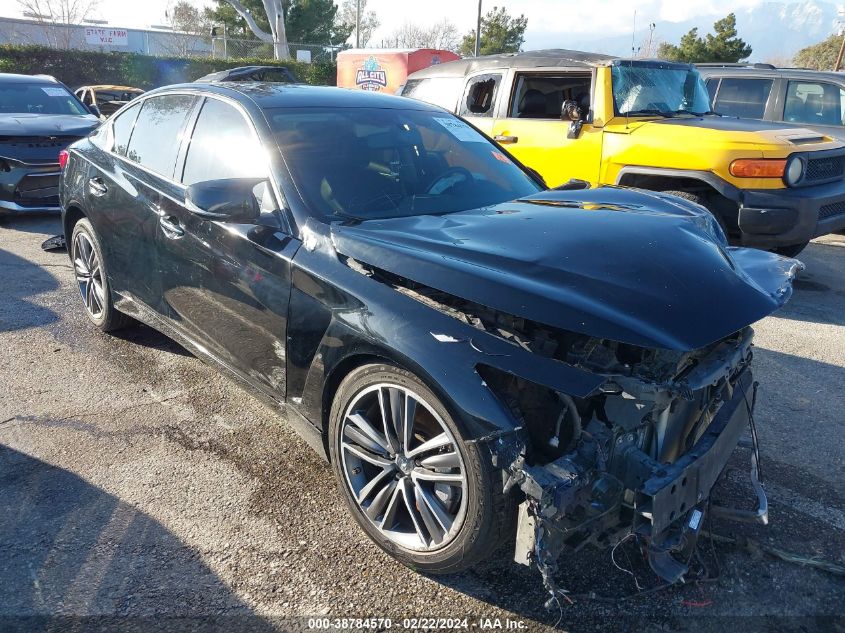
[841, 48]
[478, 32]
[358, 25]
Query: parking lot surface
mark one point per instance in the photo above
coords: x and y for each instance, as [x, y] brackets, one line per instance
[138, 484]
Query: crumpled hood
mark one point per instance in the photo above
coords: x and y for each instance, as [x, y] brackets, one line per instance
[630, 266]
[42, 125]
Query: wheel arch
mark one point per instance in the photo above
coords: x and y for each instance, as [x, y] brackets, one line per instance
[73, 214]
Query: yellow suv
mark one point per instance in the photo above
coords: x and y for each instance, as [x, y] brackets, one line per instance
[647, 124]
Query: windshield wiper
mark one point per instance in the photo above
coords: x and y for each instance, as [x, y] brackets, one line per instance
[647, 111]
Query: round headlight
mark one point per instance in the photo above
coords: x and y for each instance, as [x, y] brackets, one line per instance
[794, 170]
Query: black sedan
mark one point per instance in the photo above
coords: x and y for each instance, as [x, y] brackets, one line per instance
[456, 339]
[39, 117]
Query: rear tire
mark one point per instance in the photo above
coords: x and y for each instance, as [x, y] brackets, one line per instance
[89, 267]
[478, 515]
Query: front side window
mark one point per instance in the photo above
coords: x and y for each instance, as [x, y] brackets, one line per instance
[814, 103]
[439, 91]
[223, 145]
[155, 137]
[743, 97]
[480, 96]
[542, 96]
[369, 163]
[38, 98]
[658, 88]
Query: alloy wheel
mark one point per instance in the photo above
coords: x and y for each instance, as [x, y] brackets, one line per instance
[89, 275]
[403, 467]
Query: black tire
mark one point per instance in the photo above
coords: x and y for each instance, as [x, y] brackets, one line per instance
[700, 200]
[790, 251]
[489, 516]
[108, 319]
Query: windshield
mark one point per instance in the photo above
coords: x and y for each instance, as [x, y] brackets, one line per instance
[378, 163]
[21, 98]
[656, 88]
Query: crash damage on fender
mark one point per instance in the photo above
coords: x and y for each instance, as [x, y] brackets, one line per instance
[617, 333]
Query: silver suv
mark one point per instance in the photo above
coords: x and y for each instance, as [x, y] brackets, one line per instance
[807, 98]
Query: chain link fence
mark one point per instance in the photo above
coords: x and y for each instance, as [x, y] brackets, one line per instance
[233, 48]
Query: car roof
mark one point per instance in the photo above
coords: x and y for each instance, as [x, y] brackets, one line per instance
[542, 59]
[12, 78]
[109, 87]
[804, 73]
[289, 95]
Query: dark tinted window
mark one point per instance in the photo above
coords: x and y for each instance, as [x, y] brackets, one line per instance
[376, 163]
[745, 98]
[814, 103]
[712, 86]
[122, 129]
[41, 98]
[480, 95]
[541, 96]
[222, 146]
[155, 139]
[440, 91]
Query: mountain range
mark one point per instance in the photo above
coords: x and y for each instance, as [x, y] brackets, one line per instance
[774, 30]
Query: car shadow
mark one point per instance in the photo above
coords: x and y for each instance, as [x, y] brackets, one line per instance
[73, 557]
[142, 334]
[819, 295]
[44, 223]
[20, 282]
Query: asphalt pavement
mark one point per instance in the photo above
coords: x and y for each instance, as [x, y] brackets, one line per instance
[138, 487]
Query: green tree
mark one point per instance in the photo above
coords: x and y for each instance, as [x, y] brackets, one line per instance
[500, 33]
[721, 46]
[306, 21]
[821, 56]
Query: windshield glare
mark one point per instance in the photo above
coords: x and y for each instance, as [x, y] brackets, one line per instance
[658, 89]
[378, 163]
[38, 99]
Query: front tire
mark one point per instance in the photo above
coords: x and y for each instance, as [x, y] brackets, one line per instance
[419, 491]
[89, 267]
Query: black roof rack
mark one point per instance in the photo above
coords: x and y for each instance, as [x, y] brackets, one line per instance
[757, 65]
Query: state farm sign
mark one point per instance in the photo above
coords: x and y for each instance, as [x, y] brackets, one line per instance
[106, 37]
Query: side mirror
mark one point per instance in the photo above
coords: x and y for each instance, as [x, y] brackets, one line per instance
[226, 200]
[94, 110]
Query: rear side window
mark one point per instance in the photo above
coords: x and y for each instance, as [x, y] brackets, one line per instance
[122, 129]
[155, 138]
[439, 91]
[814, 103]
[745, 98]
[712, 87]
[223, 146]
[480, 96]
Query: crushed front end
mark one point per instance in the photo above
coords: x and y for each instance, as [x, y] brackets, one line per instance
[638, 457]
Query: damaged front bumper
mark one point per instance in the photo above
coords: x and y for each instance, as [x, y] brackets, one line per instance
[624, 491]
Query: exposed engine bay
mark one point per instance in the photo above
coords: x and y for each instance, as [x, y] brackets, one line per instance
[638, 457]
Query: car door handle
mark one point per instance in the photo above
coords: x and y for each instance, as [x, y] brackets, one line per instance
[500, 138]
[171, 227]
[97, 187]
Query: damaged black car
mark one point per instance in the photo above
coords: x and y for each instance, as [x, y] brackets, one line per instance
[478, 357]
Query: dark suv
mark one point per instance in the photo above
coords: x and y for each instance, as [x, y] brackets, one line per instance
[791, 95]
[39, 117]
